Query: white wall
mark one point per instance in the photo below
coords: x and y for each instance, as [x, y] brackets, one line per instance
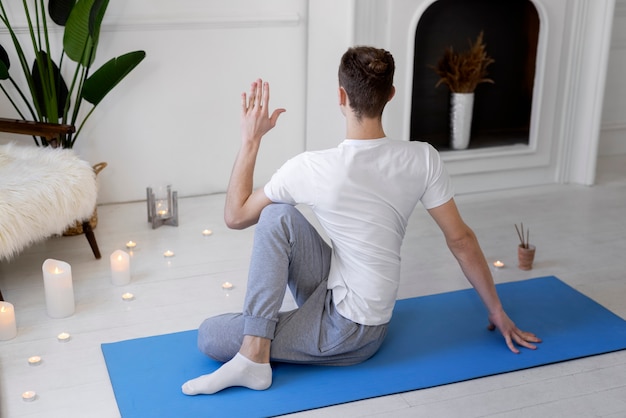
[176, 117]
[330, 31]
[613, 133]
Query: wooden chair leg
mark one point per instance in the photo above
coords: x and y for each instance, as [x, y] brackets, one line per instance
[91, 237]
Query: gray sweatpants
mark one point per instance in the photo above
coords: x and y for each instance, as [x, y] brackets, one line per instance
[288, 252]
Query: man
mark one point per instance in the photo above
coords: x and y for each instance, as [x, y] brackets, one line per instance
[363, 193]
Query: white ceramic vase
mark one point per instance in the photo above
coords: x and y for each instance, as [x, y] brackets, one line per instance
[461, 109]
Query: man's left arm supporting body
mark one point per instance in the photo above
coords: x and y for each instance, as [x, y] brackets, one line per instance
[465, 247]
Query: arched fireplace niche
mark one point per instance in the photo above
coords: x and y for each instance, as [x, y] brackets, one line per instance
[502, 111]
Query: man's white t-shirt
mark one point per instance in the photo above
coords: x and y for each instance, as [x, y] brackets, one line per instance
[363, 193]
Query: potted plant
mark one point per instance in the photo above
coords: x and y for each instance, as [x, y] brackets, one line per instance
[462, 72]
[49, 98]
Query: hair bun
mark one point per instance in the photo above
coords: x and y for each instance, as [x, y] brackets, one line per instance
[378, 66]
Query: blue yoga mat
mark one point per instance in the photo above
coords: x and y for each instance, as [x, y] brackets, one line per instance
[432, 340]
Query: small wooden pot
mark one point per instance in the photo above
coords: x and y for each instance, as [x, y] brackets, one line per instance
[525, 257]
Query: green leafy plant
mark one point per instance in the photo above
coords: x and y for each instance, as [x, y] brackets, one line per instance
[51, 99]
[463, 71]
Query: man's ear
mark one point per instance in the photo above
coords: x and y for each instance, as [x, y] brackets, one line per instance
[342, 96]
[393, 93]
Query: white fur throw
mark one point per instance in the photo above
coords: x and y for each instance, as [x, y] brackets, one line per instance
[42, 192]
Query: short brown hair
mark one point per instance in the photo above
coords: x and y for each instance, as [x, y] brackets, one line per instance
[366, 74]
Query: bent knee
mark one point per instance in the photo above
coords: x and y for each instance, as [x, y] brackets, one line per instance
[217, 341]
[279, 216]
[277, 211]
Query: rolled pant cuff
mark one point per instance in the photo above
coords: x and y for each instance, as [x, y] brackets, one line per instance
[259, 327]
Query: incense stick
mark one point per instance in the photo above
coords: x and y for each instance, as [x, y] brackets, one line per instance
[520, 235]
[521, 239]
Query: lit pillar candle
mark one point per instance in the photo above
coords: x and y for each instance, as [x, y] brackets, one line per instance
[57, 280]
[120, 268]
[8, 328]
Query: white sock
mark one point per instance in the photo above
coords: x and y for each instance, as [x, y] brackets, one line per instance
[239, 371]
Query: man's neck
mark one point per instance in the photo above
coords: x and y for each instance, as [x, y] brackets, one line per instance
[365, 128]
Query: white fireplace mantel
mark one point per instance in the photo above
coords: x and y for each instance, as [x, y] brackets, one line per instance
[573, 49]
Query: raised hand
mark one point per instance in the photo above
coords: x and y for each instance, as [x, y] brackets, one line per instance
[255, 119]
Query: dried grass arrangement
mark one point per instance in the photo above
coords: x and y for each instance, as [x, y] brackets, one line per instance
[463, 71]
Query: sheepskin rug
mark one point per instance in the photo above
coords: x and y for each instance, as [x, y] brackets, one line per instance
[42, 192]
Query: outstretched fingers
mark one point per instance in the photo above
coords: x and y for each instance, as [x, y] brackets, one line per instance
[263, 100]
[526, 339]
[522, 339]
[255, 118]
[516, 337]
[252, 100]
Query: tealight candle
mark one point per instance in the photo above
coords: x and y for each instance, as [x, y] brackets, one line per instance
[162, 202]
[131, 245]
[29, 396]
[120, 268]
[207, 232]
[498, 264]
[127, 297]
[227, 286]
[8, 327]
[57, 280]
[64, 337]
[168, 253]
[34, 361]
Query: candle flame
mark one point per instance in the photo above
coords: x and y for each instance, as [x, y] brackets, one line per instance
[3, 309]
[57, 271]
[119, 257]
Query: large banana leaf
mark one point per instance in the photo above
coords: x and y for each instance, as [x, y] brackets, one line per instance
[5, 64]
[100, 83]
[82, 30]
[48, 91]
[51, 102]
[59, 10]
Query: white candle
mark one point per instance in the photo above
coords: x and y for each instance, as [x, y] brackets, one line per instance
[127, 297]
[57, 280]
[29, 396]
[120, 268]
[498, 264]
[168, 253]
[162, 202]
[34, 360]
[64, 337]
[207, 232]
[227, 286]
[131, 245]
[8, 328]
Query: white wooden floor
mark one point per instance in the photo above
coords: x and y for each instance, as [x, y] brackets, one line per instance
[580, 233]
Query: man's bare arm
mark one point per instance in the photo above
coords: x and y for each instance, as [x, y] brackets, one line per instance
[465, 247]
[243, 205]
